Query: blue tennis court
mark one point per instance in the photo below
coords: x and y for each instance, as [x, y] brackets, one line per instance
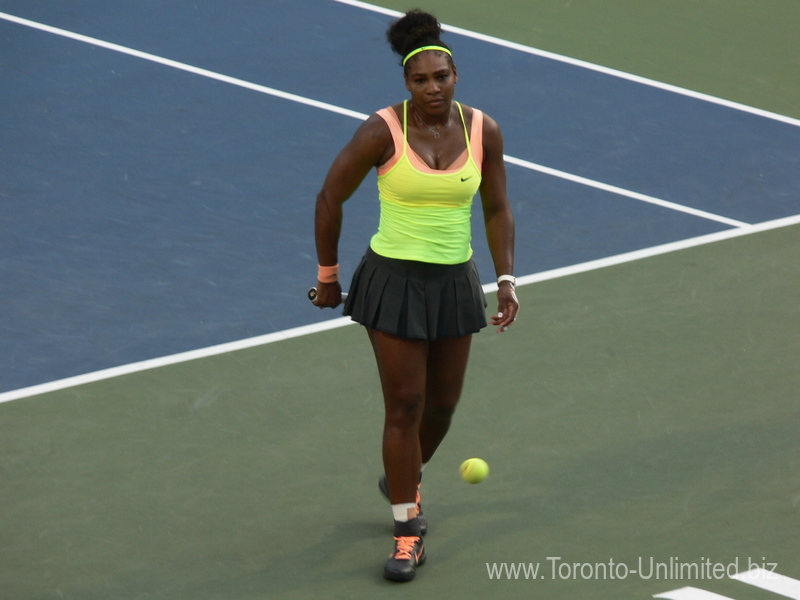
[151, 211]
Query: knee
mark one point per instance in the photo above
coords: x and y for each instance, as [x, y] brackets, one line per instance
[440, 408]
[404, 409]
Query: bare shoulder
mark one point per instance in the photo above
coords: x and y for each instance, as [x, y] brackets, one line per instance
[374, 128]
[370, 143]
[492, 137]
[490, 126]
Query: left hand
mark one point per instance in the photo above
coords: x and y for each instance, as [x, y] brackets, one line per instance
[507, 308]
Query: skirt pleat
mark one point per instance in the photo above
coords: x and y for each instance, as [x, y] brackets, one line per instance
[416, 300]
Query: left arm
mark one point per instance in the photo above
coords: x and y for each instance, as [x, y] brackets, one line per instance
[499, 221]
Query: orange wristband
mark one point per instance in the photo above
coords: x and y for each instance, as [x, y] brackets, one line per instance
[328, 274]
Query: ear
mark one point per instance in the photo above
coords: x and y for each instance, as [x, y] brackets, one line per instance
[405, 78]
[455, 74]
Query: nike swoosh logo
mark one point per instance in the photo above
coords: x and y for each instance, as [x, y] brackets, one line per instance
[465, 178]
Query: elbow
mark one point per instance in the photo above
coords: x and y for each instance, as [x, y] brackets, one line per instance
[324, 201]
[328, 208]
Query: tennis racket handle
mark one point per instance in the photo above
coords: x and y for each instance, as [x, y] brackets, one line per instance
[312, 294]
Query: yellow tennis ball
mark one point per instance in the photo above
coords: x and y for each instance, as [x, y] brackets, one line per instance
[474, 470]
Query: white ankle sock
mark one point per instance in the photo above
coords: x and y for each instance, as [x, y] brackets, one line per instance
[404, 512]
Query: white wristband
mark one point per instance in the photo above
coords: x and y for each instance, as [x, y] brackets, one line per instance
[509, 278]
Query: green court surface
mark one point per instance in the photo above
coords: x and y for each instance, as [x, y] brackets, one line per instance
[643, 411]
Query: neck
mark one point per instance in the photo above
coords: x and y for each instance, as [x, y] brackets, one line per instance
[436, 121]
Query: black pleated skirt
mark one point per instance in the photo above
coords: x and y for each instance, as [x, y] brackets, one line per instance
[416, 300]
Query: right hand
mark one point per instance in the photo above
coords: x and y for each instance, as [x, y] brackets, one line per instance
[329, 295]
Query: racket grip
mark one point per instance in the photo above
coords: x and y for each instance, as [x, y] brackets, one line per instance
[312, 294]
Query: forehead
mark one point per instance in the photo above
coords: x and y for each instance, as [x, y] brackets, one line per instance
[430, 61]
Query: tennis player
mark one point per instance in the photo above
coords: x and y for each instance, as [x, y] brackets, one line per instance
[416, 290]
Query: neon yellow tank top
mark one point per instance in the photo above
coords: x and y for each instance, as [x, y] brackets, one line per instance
[425, 212]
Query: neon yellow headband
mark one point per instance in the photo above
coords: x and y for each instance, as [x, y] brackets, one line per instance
[418, 50]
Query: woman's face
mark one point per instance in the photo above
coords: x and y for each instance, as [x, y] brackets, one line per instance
[431, 78]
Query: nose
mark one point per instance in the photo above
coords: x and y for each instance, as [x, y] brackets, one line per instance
[433, 87]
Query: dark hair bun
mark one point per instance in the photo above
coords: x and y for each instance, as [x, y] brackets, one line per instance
[414, 30]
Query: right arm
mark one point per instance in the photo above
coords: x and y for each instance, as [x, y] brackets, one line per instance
[369, 147]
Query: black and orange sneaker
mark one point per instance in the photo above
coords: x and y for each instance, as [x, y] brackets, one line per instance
[383, 486]
[409, 552]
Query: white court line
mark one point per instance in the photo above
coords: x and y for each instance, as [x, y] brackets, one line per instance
[690, 593]
[173, 359]
[357, 115]
[623, 192]
[772, 582]
[183, 67]
[590, 66]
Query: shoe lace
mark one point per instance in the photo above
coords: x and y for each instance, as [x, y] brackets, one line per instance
[404, 549]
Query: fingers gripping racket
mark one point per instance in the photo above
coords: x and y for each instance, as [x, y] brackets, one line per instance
[312, 295]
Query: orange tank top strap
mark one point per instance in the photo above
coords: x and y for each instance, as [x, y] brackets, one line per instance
[476, 137]
[396, 128]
